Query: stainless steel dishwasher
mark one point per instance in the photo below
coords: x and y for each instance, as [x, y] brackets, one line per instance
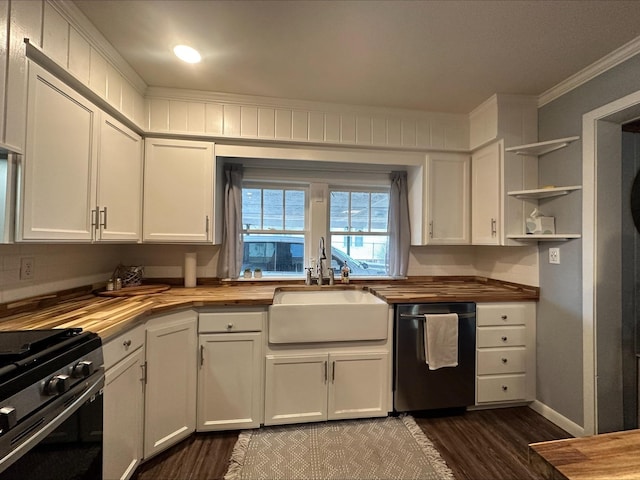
[415, 387]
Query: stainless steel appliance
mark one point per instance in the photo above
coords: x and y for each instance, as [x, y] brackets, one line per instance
[51, 404]
[415, 386]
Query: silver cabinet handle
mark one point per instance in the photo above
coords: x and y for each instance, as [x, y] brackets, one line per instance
[326, 368]
[201, 355]
[333, 372]
[207, 224]
[94, 219]
[494, 229]
[103, 224]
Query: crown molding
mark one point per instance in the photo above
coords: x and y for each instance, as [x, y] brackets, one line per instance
[607, 62]
[80, 22]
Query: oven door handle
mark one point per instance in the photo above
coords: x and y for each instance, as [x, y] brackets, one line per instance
[33, 438]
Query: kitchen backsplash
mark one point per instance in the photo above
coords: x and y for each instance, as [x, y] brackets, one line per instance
[58, 267]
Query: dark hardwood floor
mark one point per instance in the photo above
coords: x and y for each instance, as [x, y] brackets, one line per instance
[477, 445]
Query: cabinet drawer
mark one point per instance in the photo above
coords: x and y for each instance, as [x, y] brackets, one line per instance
[504, 313]
[119, 347]
[230, 321]
[494, 361]
[501, 336]
[501, 388]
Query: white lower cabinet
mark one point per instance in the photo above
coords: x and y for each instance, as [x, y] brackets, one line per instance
[505, 352]
[325, 386]
[123, 404]
[170, 397]
[230, 374]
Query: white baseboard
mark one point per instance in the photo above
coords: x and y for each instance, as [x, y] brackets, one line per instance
[560, 420]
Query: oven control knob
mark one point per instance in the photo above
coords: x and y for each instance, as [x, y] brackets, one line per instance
[8, 418]
[57, 384]
[82, 369]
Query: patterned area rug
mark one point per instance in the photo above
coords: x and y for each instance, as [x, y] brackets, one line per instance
[381, 448]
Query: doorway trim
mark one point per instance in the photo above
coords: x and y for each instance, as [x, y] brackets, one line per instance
[619, 111]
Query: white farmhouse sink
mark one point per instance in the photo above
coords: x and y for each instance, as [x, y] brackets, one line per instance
[327, 315]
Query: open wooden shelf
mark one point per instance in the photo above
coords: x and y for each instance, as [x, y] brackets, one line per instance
[539, 193]
[540, 148]
[558, 237]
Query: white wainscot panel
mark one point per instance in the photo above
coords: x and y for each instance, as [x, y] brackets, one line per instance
[316, 126]
[332, 127]
[379, 131]
[300, 125]
[266, 123]
[158, 115]
[348, 126]
[79, 56]
[249, 121]
[214, 118]
[283, 124]
[394, 132]
[363, 130]
[408, 133]
[114, 87]
[231, 125]
[196, 117]
[55, 35]
[423, 133]
[98, 74]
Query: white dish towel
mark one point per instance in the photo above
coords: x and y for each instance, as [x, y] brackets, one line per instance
[441, 340]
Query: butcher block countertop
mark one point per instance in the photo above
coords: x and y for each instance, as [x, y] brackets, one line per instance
[609, 456]
[109, 316]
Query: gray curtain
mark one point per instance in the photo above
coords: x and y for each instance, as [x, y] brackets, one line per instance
[230, 261]
[399, 226]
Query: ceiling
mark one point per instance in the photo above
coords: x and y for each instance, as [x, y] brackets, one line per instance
[439, 56]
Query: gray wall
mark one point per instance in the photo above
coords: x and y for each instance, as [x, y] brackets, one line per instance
[559, 327]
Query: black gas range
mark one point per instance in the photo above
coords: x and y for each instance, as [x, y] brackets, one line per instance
[51, 404]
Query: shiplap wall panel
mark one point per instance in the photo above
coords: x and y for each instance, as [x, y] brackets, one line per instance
[79, 56]
[363, 130]
[231, 124]
[114, 88]
[316, 126]
[430, 131]
[332, 128]
[25, 21]
[299, 125]
[379, 131]
[249, 121]
[283, 124]
[55, 35]
[266, 123]
[214, 119]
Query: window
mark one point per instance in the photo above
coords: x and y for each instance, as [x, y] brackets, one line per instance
[358, 230]
[274, 227]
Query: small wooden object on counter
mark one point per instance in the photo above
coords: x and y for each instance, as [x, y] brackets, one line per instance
[132, 291]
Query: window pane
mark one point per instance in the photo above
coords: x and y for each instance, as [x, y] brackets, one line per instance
[379, 212]
[294, 210]
[339, 213]
[252, 208]
[273, 209]
[275, 255]
[360, 211]
[365, 255]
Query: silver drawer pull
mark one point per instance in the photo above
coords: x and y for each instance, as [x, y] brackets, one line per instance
[504, 388]
[229, 325]
[504, 339]
[504, 360]
[504, 317]
[126, 343]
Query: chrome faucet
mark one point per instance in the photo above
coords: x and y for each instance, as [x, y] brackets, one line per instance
[321, 256]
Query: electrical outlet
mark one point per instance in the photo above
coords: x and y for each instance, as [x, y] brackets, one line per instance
[554, 256]
[27, 269]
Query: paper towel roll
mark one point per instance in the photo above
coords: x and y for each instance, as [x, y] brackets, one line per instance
[190, 269]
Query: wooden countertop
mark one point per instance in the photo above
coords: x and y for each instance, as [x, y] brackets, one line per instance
[110, 316]
[609, 456]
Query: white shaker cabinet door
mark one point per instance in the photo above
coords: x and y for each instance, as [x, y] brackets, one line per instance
[448, 204]
[229, 381]
[59, 164]
[178, 191]
[119, 200]
[123, 410]
[486, 181]
[170, 397]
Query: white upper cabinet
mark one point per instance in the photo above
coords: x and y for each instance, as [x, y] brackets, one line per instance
[179, 178]
[119, 196]
[59, 164]
[486, 219]
[82, 170]
[440, 200]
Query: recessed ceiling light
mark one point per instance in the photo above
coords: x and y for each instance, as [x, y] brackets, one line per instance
[187, 54]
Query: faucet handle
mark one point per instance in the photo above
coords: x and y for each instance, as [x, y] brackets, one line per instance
[331, 276]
